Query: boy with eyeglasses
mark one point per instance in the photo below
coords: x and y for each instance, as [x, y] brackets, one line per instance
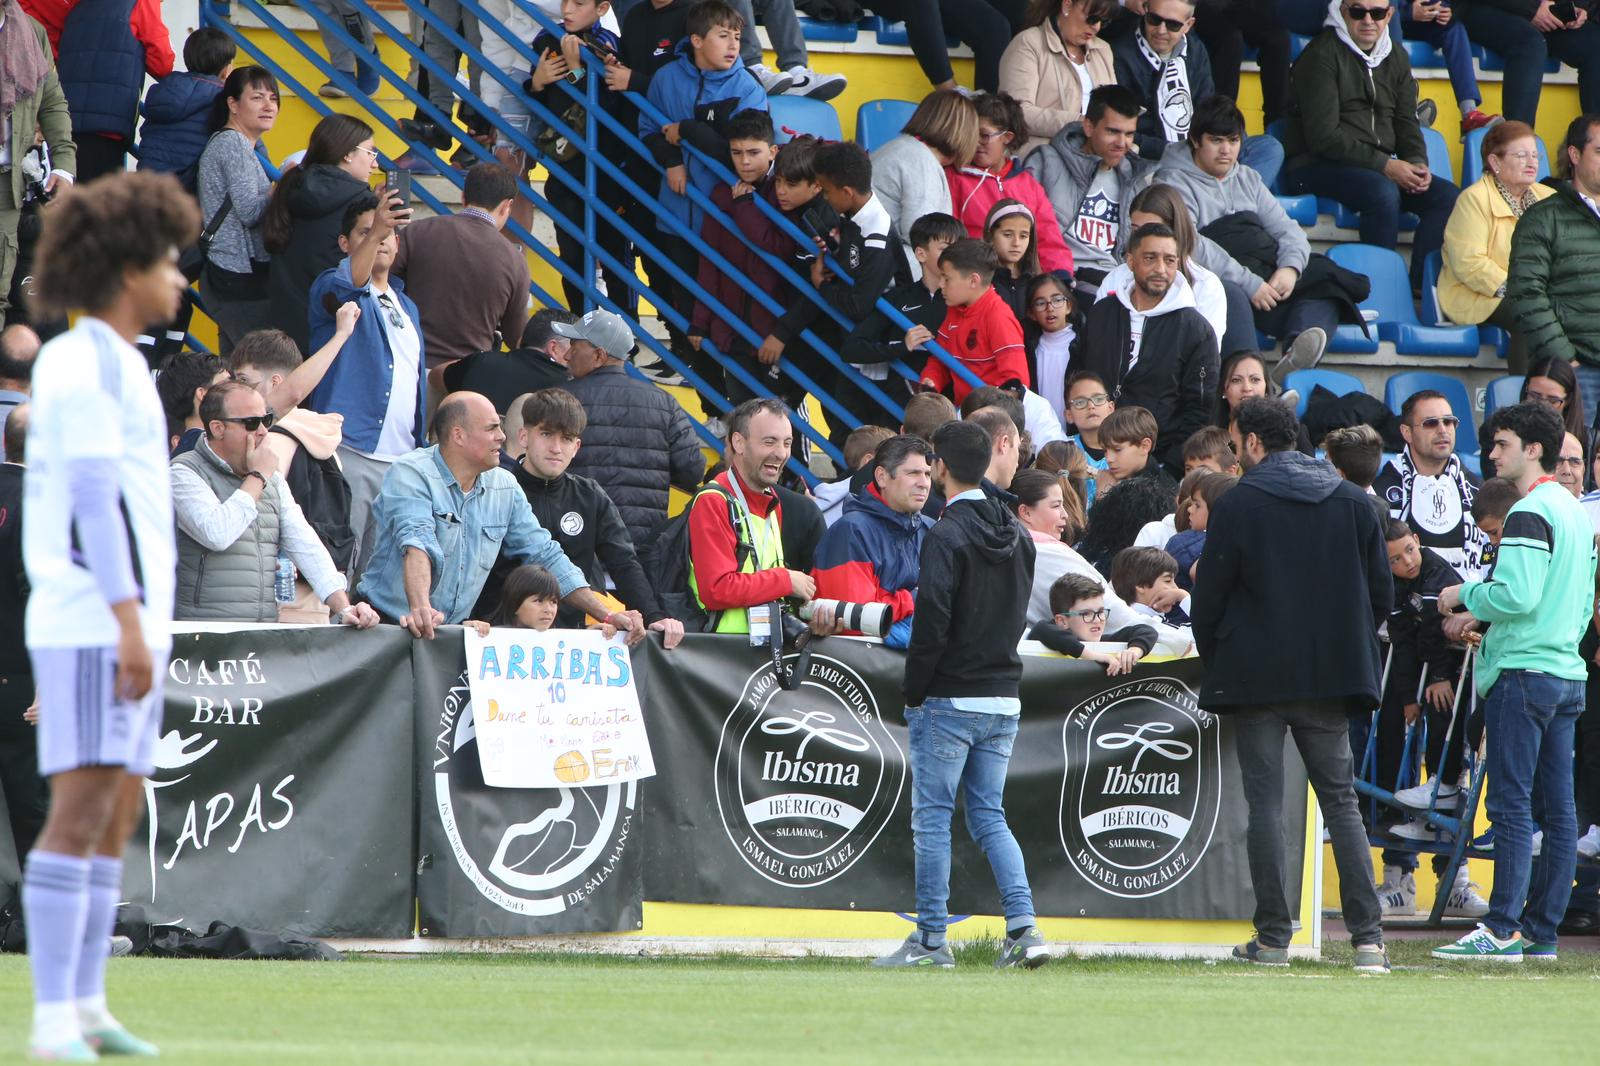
[1088, 404]
[1428, 488]
[379, 381]
[1079, 605]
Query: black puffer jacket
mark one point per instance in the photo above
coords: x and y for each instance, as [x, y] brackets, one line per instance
[638, 445]
[316, 204]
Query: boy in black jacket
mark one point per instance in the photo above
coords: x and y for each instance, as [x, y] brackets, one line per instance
[876, 340]
[1079, 605]
[578, 514]
[961, 692]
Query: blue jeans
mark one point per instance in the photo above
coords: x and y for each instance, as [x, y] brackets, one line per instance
[965, 750]
[1451, 41]
[1531, 718]
[1588, 377]
[1526, 48]
[1264, 155]
[1379, 202]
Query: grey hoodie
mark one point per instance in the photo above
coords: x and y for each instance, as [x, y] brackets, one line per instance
[1066, 171]
[1210, 198]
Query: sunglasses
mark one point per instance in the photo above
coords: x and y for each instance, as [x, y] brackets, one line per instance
[1440, 420]
[1088, 614]
[1376, 14]
[251, 423]
[1096, 20]
[1154, 21]
[1099, 399]
[396, 319]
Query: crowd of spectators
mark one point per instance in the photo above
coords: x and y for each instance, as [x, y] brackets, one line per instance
[385, 435]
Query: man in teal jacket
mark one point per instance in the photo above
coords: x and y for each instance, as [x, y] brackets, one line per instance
[1539, 599]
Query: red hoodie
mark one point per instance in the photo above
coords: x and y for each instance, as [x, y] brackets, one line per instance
[974, 192]
[987, 339]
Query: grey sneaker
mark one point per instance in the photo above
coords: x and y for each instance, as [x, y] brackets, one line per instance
[1028, 951]
[120, 946]
[329, 91]
[1260, 954]
[912, 956]
[1371, 958]
[1303, 353]
[772, 81]
[1427, 112]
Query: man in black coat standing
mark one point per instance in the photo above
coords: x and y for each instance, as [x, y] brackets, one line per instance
[1276, 666]
[27, 797]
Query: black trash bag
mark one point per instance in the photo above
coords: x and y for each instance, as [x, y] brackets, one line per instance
[223, 941]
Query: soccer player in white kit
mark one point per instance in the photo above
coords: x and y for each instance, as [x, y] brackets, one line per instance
[98, 546]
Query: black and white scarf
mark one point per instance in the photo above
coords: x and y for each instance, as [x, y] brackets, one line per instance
[1174, 102]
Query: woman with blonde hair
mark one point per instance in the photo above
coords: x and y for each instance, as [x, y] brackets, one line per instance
[1051, 67]
[908, 173]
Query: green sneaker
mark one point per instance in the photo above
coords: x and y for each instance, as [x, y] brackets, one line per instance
[912, 955]
[1480, 944]
[1028, 951]
[118, 1041]
[1260, 954]
[1538, 952]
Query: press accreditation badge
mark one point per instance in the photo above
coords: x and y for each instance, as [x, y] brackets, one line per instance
[760, 617]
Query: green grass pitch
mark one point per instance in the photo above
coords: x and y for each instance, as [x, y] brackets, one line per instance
[585, 1010]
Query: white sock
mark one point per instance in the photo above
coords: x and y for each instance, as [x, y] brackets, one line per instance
[55, 897]
[105, 890]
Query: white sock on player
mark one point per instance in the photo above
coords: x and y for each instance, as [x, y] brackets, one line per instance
[105, 892]
[55, 897]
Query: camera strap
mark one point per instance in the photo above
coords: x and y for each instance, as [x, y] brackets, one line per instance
[789, 678]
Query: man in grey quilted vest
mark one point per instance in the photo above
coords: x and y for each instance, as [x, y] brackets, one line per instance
[236, 516]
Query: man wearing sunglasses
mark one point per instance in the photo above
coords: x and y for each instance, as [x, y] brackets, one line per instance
[1353, 134]
[1170, 70]
[1428, 489]
[236, 516]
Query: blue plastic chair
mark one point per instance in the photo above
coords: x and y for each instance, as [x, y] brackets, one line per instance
[1472, 157]
[1409, 382]
[1423, 55]
[796, 115]
[1502, 392]
[1335, 381]
[1391, 298]
[817, 30]
[1438, 154]
[880, 121]
[1488, 60]
[1433, 314]
[1303, 209]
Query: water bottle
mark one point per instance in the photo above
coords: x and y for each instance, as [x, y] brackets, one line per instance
[283, 583]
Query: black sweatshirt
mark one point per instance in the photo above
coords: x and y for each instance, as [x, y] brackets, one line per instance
[1416, 630]
[972, 604]
[1062, 640]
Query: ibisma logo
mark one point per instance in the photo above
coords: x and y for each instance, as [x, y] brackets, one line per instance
[529, 851]
[1142, 788]
[806, 779]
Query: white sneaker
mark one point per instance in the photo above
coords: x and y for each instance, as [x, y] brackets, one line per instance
[1464, 902]
[1420, 830]
[1398, 896]
[807, 82]
[1538, 842]
[772, 81]
[1589, 843]
[1420, 796]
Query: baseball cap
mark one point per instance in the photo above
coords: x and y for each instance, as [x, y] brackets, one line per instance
[606, 331]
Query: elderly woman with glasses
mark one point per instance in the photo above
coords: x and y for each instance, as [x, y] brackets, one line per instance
[1477, 239]
[1051, 67]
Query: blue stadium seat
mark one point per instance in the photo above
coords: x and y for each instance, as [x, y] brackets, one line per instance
[1488, 60]
[817, 30]
[1438, 153]
[1496, 338]
[1423, 55]
[1335, 381]
[794, 115]
[1391, 298]
[895, 33]
[1409, 382]
[1472, 157]
[1502, 392]
[880, 121]
[1303, 209]
[1471, 462]
[1433, 315]
[1297, 44]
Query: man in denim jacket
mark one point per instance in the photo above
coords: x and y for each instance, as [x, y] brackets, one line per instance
[443, 517]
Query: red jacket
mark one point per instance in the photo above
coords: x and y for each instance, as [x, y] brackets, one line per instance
[987, 339]
[974, 192]
[711, 549]
[145, 22]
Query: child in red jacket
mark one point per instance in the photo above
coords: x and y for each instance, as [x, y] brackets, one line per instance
[979, 328]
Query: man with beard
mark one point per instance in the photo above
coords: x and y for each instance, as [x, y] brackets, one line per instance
[1428, 489]
[1151, 345]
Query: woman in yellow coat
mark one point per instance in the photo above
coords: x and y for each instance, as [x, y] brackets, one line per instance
[1477, 239]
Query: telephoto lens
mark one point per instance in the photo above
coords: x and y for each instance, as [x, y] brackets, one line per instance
[869, 619]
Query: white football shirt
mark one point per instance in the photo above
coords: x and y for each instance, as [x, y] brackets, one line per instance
[94, 399]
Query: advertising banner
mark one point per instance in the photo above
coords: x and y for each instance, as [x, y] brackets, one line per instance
[1122, 793]
[282, 796]
[511, 861]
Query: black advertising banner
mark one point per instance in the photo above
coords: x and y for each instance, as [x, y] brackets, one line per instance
[1124, 795]
[282, 794]
[512, 861]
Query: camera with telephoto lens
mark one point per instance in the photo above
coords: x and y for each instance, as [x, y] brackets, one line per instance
[869, 619]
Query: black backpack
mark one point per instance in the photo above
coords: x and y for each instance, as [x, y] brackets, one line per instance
[320, 488]
[665, 558]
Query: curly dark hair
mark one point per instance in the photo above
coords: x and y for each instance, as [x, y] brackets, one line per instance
[1121, 512]
[98, 231]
